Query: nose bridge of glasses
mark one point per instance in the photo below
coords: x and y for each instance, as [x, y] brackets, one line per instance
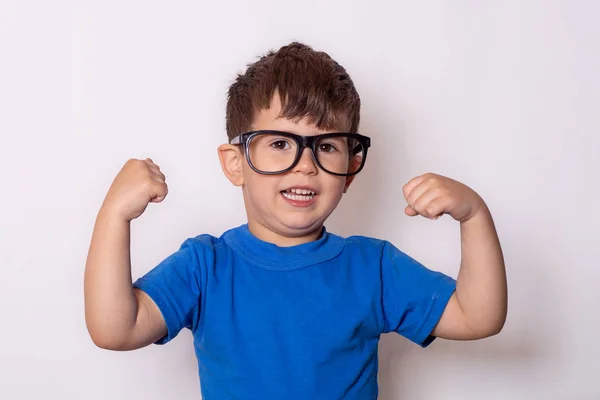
[310, 155]
[305, 141]
[305, 145]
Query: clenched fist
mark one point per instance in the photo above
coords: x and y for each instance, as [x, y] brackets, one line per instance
[138, 183]
[432, 195]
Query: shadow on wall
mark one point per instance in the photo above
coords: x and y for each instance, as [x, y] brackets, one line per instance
[373, 197]
[512, 362]
[374, 205]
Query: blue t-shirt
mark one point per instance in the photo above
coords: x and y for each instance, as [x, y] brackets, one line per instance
[300, 322]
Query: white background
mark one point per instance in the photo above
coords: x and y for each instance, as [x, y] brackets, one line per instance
[503, 96]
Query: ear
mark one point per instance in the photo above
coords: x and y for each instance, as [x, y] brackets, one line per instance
[349, 179]
[231, 159]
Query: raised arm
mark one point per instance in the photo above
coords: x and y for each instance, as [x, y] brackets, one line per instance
[478, 308]
[119, 317]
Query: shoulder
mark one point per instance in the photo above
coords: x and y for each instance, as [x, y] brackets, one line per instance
[358, 246]
[375, 247]
[202, 248]
[200, 242]
[365, 243]
[206, 246]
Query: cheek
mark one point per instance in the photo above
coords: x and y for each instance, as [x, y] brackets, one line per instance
[335, 187]
[260, 188]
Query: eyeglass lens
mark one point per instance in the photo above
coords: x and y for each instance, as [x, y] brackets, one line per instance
[270, 152]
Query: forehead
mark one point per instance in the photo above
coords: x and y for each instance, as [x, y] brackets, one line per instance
[270, 119]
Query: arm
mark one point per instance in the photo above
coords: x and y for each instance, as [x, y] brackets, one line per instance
[119, 317]
[478, 307]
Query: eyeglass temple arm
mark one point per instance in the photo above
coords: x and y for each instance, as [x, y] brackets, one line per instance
[360, 147]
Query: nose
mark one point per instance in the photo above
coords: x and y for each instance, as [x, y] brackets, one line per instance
[306, 164]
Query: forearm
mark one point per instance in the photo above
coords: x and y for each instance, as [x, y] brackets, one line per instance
[110, 303]
[481, 288]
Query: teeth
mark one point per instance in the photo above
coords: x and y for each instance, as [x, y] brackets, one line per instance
[302, 191]
[298, 197]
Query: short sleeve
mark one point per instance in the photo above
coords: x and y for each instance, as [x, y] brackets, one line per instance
[174, 285]
[413, 296]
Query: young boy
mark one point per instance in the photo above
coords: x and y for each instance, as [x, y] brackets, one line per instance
[279, 307]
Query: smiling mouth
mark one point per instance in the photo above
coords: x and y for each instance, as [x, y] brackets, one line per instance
[298, 194]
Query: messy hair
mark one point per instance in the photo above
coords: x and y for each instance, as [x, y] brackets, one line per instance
[310, 85]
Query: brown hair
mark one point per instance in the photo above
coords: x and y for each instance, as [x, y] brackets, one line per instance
[310, 84]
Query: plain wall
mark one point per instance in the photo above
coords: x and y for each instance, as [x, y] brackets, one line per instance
[503, 96]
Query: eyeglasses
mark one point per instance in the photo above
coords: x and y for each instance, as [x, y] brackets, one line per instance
[275, 152]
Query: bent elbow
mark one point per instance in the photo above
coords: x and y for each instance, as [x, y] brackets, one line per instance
[107, 340]
[492, 329]
[498, 328]
[102, 343]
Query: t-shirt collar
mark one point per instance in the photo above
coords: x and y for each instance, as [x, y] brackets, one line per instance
[273, 257]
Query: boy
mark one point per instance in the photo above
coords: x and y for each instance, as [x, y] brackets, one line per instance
[279, 307]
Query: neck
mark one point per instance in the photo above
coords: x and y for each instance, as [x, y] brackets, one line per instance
[267, 235]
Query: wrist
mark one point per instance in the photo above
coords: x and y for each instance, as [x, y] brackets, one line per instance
[111, 213]
[480, 210]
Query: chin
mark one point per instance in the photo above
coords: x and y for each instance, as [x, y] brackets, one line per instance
[300, 225]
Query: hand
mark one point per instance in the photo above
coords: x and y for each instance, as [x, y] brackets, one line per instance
[432, 195]
[138, 183]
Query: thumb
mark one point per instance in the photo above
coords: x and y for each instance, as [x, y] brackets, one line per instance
[408, 210]
[159, 192]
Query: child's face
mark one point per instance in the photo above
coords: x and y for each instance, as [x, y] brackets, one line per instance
[274, 213]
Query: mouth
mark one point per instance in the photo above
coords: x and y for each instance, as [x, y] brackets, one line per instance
[299, 194]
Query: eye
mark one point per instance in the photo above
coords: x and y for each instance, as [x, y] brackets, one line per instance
[327, 148]
[280, 145]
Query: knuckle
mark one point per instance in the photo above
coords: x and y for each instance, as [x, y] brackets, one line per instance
[136, 164]
[146, 184]
[444, 192]
[147, 170]
[417, 206]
